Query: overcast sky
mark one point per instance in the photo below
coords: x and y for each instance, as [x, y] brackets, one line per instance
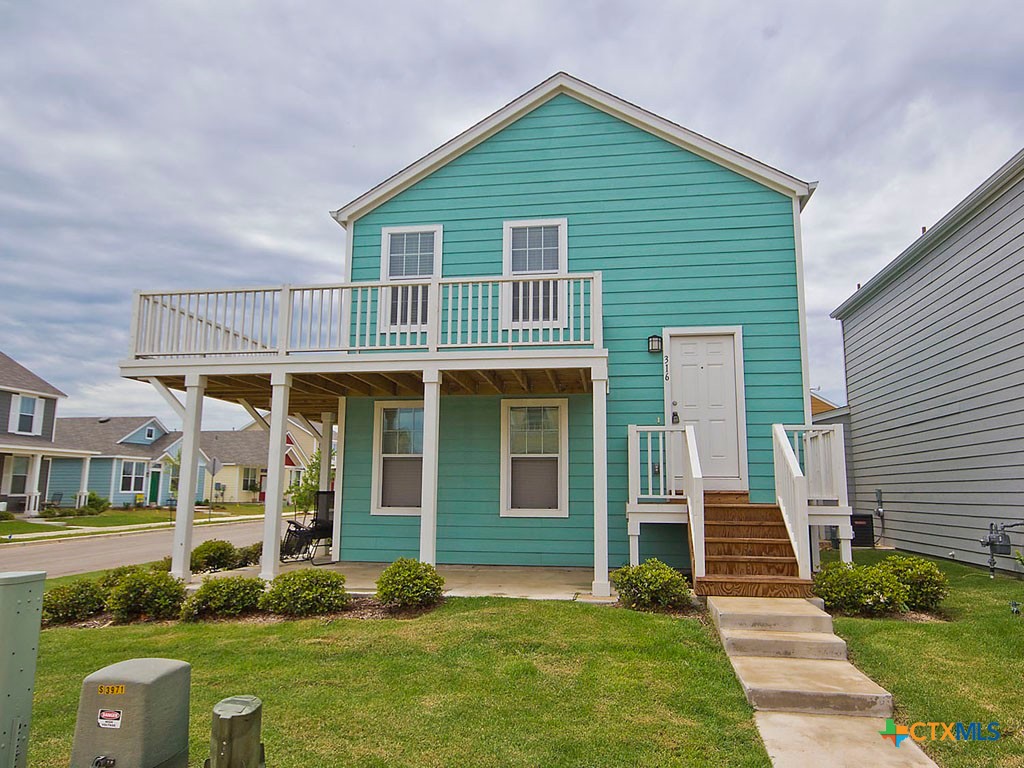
[201, 144]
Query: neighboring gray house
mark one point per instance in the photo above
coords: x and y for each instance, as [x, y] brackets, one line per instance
[28, 410]
[934, 347]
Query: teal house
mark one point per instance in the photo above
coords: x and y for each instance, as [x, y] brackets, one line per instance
[573, 335]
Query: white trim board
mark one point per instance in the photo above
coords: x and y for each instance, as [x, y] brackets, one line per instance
[563, 83]
[736, 331]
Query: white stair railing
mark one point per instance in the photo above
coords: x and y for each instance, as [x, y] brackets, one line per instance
[821, 453]
[664, 462]
[791, 494]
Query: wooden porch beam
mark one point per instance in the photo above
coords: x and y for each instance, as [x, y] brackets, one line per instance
[493, 381]
[402, 387]
[458, 380]
[520, 376]
[551, 377]
[369, 383]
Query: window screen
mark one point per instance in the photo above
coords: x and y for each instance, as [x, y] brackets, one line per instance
[534, 444]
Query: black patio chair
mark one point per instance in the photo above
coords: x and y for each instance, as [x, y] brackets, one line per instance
[301, 542]
[54, 501]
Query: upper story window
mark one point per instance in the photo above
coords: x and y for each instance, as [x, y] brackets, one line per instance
[150, 433]
[535, 248]
[26, 415]
[410, 255]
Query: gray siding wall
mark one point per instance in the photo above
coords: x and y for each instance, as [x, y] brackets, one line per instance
[49, 414]
[935, 381]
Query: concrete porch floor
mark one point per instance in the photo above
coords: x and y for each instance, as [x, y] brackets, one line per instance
[531, 582]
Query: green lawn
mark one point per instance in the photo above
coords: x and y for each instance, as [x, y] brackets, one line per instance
[479, 682]
[969, 668]
[8, 527]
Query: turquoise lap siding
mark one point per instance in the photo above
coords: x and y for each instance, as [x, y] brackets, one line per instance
[65, 478]
[680, 241]
[470, 528]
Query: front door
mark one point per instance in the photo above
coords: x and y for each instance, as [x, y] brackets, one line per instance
[702, 391]
[154, 487]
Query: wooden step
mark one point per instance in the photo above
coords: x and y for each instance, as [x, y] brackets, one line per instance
[746, 529]
[752, 512]
[746, 565]
[747, 545]
[753, 586]
[726, 497]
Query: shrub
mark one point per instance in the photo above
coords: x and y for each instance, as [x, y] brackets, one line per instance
[163, 564]
[305, 593]
[5, 515]
[408, 583]
[927, 586]
[48, 513]
[84, 512]
[75, 601]
[97, 503]
[249, 555]
[146, 595]
[860, 589]
[230, 596]
[112, 578]
[651, 585]
[214, 555]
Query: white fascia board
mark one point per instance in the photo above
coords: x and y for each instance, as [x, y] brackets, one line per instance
[71, 453]
[33, 393]
[556, 85]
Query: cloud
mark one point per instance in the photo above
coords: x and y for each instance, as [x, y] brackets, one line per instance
[195, 144]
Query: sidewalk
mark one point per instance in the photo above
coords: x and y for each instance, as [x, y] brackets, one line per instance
[61, 532]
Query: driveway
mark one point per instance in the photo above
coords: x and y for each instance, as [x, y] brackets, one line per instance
[94, 553]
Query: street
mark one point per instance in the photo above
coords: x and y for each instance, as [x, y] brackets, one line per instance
[94, 553]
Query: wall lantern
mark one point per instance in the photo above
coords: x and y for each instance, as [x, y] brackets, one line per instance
[654, 344]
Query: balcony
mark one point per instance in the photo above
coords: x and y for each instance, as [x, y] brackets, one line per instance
[433, 316]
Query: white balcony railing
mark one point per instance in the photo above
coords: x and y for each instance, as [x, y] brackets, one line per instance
[664, 463]
[451, 313]
[791, 494]
[821, 454]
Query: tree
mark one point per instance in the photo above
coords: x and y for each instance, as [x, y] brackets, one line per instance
[303, 491]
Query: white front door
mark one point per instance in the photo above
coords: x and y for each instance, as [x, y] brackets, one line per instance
[702, 391]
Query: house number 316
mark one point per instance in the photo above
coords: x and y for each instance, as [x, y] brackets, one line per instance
[666, 367]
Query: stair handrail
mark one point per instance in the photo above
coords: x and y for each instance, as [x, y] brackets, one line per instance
[693, 488]
[791, 495]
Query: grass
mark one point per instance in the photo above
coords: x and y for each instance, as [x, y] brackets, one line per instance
[479, 682]
[965, 669]
[20, 526]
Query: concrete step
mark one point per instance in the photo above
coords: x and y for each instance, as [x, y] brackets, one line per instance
[816, 686]
[783, 614]
[775, 644]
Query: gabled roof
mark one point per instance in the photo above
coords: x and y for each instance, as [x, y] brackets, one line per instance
[152, 420]
[246, 448]
[992, 187]
[16, 377]
[562, 83]
[103, 435]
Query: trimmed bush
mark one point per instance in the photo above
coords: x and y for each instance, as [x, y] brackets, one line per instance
[214, 555]
[112, 578]
[306, 593]
[217, 598]
[408, 583]
[859, 589]
[75, 601]
[927, 586]
[97, 503]
[249, 555]
[146, 595]
[84, 511]
[48, 512]
[163, 564]
[6, 515]
[652, 585]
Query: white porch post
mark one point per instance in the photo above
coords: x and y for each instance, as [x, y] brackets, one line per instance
[428, 489]
[846, 542]
[601, 587]
[339, 473]
[326, 438]
[815, 532]
[83, 483]
[35, 463]
[281, 384]
[188, 473]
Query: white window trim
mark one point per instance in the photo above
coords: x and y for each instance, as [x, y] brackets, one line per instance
[384, 300]
[563, 269]
[145, 474]
[563, 458]
[150, 433]
[8, 478]
[375, 475]
[37, 417]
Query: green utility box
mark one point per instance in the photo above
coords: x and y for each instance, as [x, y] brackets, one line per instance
[21, 610]
[134, 714]
[235, 734]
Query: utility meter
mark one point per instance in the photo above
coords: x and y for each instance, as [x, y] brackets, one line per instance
[134, 714]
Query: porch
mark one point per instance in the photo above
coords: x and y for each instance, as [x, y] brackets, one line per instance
[24, 474]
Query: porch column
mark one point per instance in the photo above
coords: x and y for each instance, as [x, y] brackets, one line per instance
[428, 489]
[188, 473]
[815, 533]
[601, 587]
[83, 484]
[326, 437]
[281, 384]
[846, 542]
[339, 473]
[35, 463]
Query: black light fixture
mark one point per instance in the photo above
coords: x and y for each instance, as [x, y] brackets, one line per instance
[654, 345]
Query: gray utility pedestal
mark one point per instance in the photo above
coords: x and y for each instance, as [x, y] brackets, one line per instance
[134, 714]
[21, 610]
[235, 734]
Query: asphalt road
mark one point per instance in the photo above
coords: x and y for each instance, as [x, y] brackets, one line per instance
[94, 553]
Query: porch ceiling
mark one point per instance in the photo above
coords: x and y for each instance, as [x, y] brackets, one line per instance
[314, 393]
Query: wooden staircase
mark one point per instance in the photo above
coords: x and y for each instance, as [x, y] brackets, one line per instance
[747, 550]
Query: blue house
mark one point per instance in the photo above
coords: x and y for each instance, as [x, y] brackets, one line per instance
[573, 335]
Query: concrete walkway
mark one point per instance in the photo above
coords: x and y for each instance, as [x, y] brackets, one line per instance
[813, 706]
[531, 582]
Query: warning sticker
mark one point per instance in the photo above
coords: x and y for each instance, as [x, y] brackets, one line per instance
[109, 718]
